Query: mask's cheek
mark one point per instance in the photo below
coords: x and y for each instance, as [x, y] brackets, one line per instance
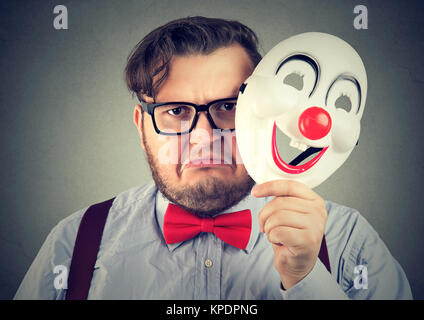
[345, 132]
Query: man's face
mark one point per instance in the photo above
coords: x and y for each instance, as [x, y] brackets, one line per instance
[193, 183]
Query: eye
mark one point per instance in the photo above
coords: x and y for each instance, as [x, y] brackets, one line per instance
[178, 111]
[222, 107]
[227, 106]
[344, 94]
[298, 74]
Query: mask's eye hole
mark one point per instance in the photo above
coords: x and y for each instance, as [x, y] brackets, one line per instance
[294, 80]
[343, 102]
[297, 74]
[344, 94]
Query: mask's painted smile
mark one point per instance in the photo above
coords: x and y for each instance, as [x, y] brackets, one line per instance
[292, 167]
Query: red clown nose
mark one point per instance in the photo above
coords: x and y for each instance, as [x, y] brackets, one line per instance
[314, 123]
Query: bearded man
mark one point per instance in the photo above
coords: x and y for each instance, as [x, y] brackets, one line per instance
[199, 230]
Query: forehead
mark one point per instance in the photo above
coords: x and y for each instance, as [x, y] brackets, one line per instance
[200, 78]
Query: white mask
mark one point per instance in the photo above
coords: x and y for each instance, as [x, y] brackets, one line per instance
[312, 87]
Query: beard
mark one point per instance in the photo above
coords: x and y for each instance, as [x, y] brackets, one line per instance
[206, 198]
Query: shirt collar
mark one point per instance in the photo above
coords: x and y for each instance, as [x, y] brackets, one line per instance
[255, 205]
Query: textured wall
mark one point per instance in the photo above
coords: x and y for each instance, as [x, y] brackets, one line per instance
[68, 141]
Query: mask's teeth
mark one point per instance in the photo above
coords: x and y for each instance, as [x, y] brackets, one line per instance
[298, 145]
[293, 144]
[302, 146]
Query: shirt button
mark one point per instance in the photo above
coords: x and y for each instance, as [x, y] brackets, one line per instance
[208, 263]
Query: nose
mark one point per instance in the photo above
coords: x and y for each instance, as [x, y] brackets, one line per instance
[202, 132]
[314, 123]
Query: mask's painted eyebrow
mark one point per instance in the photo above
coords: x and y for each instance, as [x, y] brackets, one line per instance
[307, 59]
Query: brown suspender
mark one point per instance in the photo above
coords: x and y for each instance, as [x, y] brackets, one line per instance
[87, 246]
[323, 254]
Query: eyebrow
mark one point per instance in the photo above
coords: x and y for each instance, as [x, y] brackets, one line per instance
[307, 59]
[236, 90]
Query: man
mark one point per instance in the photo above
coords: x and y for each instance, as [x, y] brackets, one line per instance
[201, 63]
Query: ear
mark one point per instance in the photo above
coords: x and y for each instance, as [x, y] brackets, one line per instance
[138, 121]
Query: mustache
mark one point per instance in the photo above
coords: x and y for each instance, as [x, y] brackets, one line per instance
[207, 153]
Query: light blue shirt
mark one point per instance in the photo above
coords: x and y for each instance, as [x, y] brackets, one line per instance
[134, 262]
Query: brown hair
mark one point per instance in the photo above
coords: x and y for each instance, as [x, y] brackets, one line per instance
[190, 35]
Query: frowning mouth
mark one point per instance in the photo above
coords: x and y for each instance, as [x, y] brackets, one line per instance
[208, 162]
[294, 166]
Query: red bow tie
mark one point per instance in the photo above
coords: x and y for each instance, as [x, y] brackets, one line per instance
[233, 228]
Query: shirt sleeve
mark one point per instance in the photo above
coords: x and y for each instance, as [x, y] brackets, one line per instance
[362, 268]
[371, 272]
[317, 285]
[46, 278]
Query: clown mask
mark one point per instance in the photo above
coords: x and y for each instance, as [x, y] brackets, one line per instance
[311, 89]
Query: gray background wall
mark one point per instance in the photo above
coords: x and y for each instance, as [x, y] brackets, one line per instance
[68, 141]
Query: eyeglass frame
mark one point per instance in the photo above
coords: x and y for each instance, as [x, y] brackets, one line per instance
[150, 108]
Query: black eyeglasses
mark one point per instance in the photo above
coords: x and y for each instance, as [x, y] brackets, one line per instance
[176, 118]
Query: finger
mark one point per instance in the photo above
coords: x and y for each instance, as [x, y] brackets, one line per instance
[311, 225]
[293, 204]
[284, 203]
[315, 207]
[287, 236]
[284, 188]
[265, 213]
[288, 219]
